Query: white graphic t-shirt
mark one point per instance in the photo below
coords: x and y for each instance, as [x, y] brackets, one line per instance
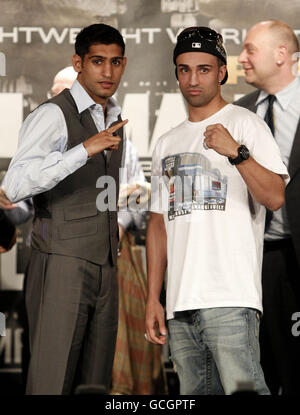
[214, 228]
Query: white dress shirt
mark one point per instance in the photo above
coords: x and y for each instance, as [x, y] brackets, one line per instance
[286, 111]
[42, 160]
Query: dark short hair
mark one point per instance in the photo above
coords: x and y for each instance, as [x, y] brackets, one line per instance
[95, 34]
[220, 63]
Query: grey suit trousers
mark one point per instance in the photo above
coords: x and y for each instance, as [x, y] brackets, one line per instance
[72, 307]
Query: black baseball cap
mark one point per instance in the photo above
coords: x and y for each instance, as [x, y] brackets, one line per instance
[201, 39]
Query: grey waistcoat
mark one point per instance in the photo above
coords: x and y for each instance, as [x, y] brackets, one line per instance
[66, 220]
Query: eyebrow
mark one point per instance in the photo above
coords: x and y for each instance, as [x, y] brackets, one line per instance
[204, 65]
[249, 45]
[104, 57]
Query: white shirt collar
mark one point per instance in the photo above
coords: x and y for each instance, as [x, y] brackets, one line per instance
[83, 100]
[284, 96]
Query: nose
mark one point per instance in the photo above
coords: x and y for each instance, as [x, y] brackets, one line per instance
[107, 69]
[242, 57]
[193, 78]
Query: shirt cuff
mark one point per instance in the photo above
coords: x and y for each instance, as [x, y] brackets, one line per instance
[75, 158]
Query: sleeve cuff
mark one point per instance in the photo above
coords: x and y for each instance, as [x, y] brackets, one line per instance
[75, 158]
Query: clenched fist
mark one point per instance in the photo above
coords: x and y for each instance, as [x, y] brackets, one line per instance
[218, 138]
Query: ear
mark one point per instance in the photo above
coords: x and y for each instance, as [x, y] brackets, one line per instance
[222, 73]
[281, 53]
[124, 62]
[77, 63]
[176, 73]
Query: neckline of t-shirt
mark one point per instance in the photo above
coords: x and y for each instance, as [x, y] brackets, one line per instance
[216, 114]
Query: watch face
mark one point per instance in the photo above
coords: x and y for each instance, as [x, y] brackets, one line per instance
[244, 152]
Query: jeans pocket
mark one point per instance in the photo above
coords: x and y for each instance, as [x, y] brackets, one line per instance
[253, 321]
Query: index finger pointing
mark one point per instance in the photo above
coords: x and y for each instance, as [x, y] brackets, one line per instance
[117, 126]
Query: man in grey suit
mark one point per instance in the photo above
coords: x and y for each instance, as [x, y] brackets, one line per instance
[269, 58]
[65, 146]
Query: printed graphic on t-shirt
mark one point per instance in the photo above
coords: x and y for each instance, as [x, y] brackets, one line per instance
[193, 184]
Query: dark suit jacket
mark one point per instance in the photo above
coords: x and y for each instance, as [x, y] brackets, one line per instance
[7, 230]
[292, 194]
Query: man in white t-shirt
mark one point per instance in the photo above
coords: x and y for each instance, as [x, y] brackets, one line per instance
[212, 177]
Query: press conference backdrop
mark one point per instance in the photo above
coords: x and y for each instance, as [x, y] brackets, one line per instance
[37, 40]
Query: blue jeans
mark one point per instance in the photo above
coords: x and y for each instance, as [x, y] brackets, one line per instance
[216, 351]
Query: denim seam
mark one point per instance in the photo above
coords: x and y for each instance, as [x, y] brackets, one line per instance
[248, 329]
[208, 371]
[250, 348]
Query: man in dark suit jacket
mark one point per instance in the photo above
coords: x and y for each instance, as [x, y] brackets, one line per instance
[269, 58]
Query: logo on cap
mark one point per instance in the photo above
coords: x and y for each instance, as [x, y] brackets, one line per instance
[196, 45]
